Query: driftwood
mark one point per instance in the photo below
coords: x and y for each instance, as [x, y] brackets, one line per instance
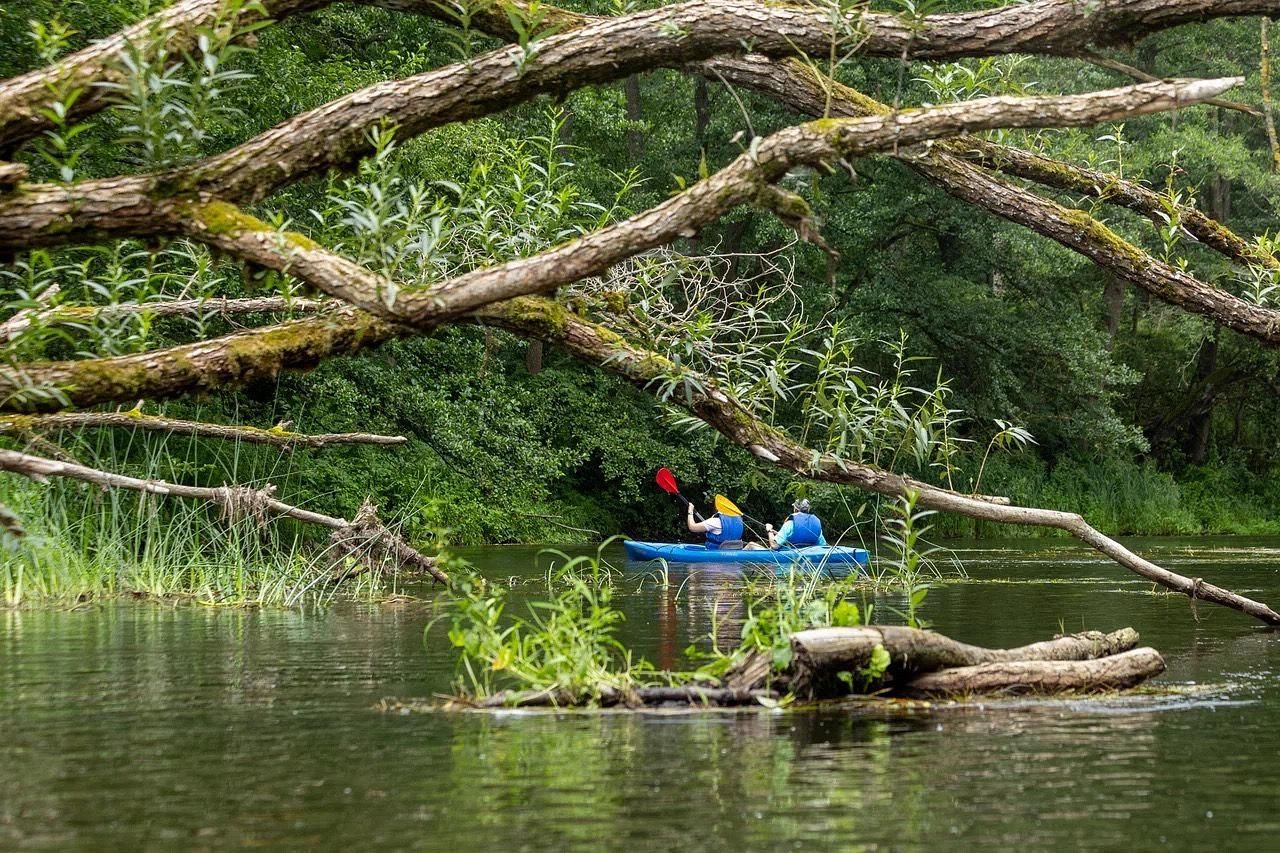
[1115, 672]
[819, 655]
[362, 538]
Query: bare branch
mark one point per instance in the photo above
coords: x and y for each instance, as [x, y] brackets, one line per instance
[15, 325]
[363, 532]
[223, 306]
[48, 215]
[743, 181]
[1073, 228]
[279, 435]
[705, 27]
[594, 344]
[1138, 74]
[238, 358]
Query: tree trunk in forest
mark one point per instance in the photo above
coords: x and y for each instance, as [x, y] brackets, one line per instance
[1202, 418]
[1113, 301]
[701, 112]
[1267, 109]
[635, 136]
[533, 358]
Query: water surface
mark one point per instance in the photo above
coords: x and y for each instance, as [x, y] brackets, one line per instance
[134, 725]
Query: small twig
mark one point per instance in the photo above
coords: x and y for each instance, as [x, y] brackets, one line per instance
[554, 520]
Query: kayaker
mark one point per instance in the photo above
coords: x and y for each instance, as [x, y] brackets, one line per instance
[722, 531]
[801, 529]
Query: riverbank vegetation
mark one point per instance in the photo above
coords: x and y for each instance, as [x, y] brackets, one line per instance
[543, 253]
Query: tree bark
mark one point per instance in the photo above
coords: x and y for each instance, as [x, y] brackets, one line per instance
[1113, 301]
[635, 115]
[1268, 110]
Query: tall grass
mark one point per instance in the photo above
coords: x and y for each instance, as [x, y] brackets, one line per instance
[83, 543]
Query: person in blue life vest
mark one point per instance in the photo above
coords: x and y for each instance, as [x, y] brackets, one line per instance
[801, 529]
[722, 531]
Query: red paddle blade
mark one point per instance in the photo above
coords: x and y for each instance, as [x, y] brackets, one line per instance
[667, 481]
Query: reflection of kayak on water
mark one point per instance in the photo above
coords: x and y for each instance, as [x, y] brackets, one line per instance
[675, 552]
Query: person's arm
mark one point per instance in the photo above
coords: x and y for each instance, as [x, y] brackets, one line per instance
[711, 525]
[768, 529]
[783, 536]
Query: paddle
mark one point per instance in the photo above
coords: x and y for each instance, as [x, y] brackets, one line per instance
[724, 506]
[667, 482]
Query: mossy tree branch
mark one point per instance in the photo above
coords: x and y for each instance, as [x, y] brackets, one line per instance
[1059, 27]
[742, 181]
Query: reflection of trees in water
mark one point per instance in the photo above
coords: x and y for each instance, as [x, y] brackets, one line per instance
[705, 599]
[662, 782]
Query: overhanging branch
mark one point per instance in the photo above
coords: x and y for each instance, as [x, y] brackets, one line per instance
[544, 320]
[1043, 26]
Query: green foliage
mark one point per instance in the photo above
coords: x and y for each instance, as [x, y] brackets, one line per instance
[567, 643]
[986, 325]
[83, 544]
[803, 598]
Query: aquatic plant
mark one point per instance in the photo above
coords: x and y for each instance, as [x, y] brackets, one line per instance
[567, 643]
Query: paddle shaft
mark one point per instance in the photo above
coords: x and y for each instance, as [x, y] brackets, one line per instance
[696, 514]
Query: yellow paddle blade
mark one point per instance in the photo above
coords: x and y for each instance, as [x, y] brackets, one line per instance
[724, 506]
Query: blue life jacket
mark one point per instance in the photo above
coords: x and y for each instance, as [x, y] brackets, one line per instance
[730, 530]
[806, 529]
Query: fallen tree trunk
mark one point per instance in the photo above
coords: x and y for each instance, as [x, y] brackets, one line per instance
[1115, 672]
[818, 655]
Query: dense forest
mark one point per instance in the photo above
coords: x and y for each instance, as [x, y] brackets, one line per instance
[868, 307]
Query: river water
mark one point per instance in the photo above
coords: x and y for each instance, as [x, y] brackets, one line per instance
[135, 725]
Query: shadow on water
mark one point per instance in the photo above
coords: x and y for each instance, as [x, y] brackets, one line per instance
[135, 725]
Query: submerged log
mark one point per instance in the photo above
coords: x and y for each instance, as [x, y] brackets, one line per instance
[819, 655]
[1114, 672]
[607, 697]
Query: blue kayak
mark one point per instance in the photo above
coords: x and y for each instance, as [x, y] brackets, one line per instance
[831, 555]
